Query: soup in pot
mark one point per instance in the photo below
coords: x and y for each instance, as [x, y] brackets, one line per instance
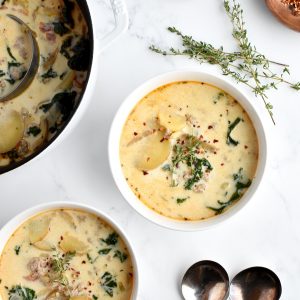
[30, 120]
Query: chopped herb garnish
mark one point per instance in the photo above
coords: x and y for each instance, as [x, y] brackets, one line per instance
[181, 200]
[95, 297]
[121, 255]
[108, 283]
[22, 293]
[60, 263]
[112, 239]
[104, 251]
[34, 130]
[240, 186]
[230, 140]
[186, 152]
[17, 249]
[2, 73]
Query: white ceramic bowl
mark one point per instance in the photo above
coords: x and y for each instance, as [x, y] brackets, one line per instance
[116, 131]
[14, 224]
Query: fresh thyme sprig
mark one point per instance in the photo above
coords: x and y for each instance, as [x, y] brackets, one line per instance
[246, 66]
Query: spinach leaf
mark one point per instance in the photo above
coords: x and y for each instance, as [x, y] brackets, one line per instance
[19, 292]
[65, 102]
[49, 74]
[181, 200]
[60, 28]
[239, 186]
[121, 255]
[33, 130]
[10, 53]
[17, 249]
[104, 251]
[112, 239]
[108, 283]
[81, 58]
[230, 140]
[67, 13]
[65, 46]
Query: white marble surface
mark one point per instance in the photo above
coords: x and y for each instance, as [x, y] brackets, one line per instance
[265, 233]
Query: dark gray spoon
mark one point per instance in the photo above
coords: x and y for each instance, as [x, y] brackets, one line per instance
[205, 280]
[23, 84]
[255, 283]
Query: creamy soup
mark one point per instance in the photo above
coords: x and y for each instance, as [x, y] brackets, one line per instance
[188, 150]
[33, 118]
[65, 254]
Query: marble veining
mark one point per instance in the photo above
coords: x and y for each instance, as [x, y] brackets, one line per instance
[266, 232]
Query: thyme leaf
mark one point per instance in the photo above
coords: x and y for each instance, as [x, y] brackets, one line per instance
[246, 66]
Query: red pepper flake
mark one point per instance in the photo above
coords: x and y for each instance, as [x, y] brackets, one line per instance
[215, 152]
[210, 127]
[215, 141]
[148, 158]
[135, 133]
[162, 139]
[83, 262]
[222, 164]
[61, 237]
[144, 124]
[246, 147]
[145, 173]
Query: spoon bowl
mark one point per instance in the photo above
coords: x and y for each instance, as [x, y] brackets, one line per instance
[205, 280]
[256, 283]
[23, 84]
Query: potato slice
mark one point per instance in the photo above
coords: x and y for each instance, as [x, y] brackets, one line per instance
[72, 244]
[173, 122]
[38, 229]
[68, 218]
[44, 246]
[11, 130]
[154, 151]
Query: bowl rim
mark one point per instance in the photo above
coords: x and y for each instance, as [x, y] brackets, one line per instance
[116, 129]
[13, 224]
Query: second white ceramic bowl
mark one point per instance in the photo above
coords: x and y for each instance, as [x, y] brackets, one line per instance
[116, 131]
[16, 222]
